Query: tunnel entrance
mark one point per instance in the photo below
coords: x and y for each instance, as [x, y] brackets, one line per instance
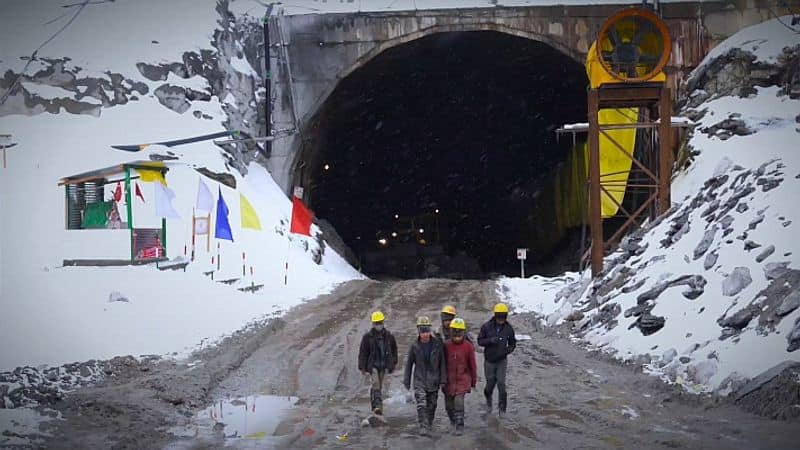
[438, 157]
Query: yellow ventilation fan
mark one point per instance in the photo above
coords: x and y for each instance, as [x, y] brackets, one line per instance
[633, 46]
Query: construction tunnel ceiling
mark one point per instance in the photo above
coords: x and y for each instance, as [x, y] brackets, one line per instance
[459, 122]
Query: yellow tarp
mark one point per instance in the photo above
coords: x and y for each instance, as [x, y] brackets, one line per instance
[614, 165]
[148, 176]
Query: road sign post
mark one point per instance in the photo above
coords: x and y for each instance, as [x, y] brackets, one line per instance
[522, 254]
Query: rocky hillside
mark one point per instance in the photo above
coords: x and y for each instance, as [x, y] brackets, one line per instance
[708, 296]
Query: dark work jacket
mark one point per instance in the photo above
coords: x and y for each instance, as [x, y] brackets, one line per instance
[496, 346]
[369, 352]
[429, 374]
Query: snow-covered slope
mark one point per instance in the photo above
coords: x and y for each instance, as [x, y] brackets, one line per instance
[709, 296]
[53, 314]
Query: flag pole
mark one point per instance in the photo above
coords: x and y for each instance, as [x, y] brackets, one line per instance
[208, 235]
[286, 269]
[194, 228]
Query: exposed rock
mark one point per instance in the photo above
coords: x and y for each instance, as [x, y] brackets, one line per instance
[774, 393]
[775, 269]
[765, 253]
[633, 287]
[711, 259]
[619, 276]
[638, 310]
[705, 243]
[607, 315]
[750, 245]
[768, 184]
[575, 316]
[731, 126]
[738, 320]
[649, 324]
[789, 304]
[173, 97]
[736, 281]
[742, 207]
[793, 339]
[115, 296]
[695, 283]
[224, 178]
[685, 359]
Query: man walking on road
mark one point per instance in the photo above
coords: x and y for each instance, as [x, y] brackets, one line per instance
[426, 359]
[498, 339]
[448, 314]
[377, 356]
[462, 373]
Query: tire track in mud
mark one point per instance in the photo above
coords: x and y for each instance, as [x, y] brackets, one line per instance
[560, 396]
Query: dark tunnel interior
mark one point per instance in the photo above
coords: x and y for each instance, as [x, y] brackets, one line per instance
[428, 160]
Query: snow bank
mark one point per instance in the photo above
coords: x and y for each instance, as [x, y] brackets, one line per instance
[698, 294]
[53, 314]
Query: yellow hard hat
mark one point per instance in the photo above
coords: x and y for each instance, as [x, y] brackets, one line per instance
[423, 321]
[447, 309]
[501, 308]
[458, 324]
[377, 316]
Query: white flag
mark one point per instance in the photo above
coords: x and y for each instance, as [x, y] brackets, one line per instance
[201, 226]
[164, 196]
[205, 201]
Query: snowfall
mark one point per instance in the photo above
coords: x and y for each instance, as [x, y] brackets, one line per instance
[739, 256]
[52, 315]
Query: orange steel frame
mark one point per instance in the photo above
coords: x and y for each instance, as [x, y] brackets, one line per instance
[652, 96]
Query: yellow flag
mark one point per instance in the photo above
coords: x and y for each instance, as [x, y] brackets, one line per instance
[249, 216]
[151, 175]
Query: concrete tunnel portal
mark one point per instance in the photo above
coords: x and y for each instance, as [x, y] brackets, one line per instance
[438, 157]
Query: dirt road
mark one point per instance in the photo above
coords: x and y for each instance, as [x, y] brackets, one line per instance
[560, 397]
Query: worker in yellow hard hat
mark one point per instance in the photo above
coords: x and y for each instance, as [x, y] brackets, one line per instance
[498, 341]
[462, 373]
[426, 359]
[377, 356]
[447, 315]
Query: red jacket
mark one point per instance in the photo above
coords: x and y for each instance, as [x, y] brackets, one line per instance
[462, 372]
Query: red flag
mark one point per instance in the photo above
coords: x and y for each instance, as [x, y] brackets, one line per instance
[118, 193]
[139, 192]
[301, 218]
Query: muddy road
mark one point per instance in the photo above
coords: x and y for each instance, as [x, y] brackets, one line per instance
[560, 397]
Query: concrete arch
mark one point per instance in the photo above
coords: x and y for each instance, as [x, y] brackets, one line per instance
[442, 28]
[308, 119]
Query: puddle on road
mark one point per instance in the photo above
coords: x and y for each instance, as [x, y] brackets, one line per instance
[251, 417]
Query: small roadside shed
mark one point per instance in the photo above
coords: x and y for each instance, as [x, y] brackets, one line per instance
[96, 224]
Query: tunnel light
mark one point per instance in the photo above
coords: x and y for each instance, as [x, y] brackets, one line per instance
[397, 216]
[382, 241]
[327, 166]
[437, 211]
[421, 230]
[394, 234]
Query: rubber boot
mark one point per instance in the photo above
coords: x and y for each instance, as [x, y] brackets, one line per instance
[502, 403]
[459, 416]
[377, 403]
